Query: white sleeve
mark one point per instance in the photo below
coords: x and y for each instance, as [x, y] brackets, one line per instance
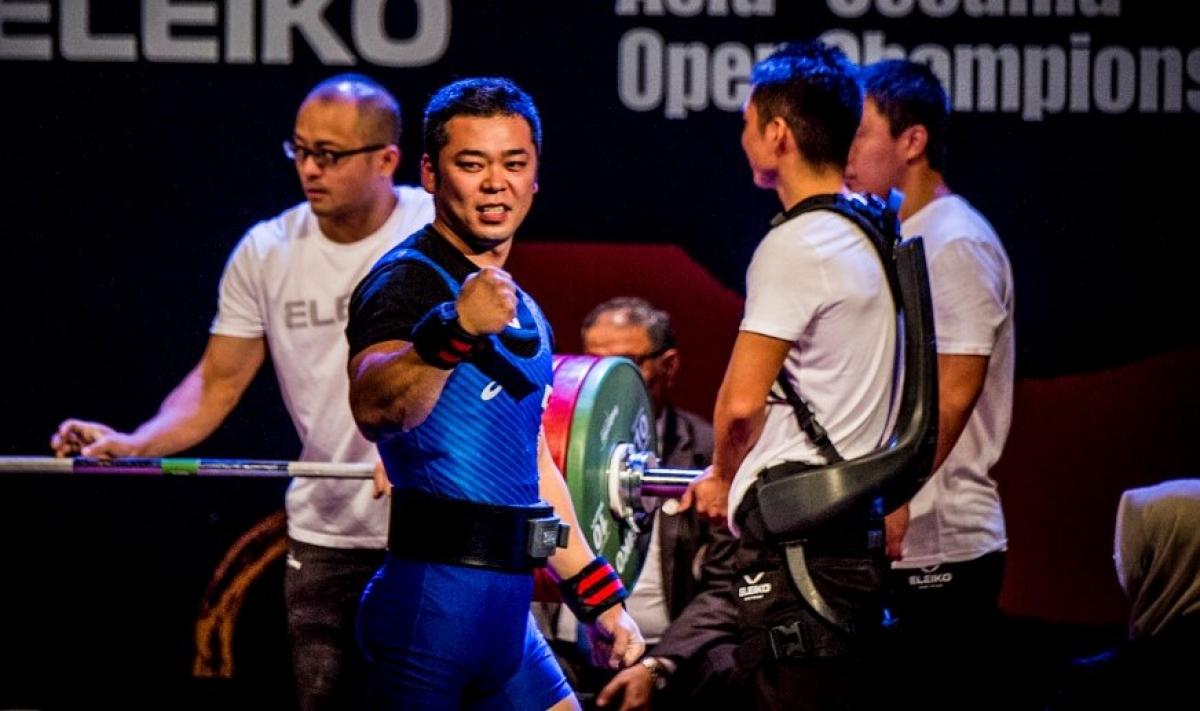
[784, 287]
[967, 282]
[418, 207]
[239, 306]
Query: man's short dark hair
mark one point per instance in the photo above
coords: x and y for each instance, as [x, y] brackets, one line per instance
[481, 97]
[909, 94]
[813, 87]
[636, 311]
[378, 110]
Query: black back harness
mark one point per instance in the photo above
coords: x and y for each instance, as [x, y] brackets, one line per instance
[809, 499]
[798, 498]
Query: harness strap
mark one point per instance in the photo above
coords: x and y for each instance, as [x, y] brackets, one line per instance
[808, 421]
[797, 568]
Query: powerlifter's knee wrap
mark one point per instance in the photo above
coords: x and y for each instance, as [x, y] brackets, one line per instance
[593, 590]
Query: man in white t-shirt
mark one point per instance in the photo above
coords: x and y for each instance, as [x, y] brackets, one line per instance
[818, 306]
[285, 290]
[948, 543]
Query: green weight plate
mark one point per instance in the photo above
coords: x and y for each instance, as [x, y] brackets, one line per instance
[612, 407]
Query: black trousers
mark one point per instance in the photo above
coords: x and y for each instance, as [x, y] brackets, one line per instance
[944, 598]
[322, 587]
[947, 637]
[795, 657]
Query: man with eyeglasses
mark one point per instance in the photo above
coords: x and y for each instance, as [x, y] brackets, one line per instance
[675, 566]
[287, 285]
[631, 327]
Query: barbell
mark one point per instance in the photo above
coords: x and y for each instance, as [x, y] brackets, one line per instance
[599, 426]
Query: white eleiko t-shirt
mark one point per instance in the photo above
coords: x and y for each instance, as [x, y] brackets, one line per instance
[290, 283]
[816, 281]
[956, 516]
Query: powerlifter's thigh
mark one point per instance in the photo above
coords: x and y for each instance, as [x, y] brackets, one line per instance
[442, 636]
[539, 682]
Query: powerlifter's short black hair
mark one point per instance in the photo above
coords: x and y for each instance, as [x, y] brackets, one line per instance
[481, 97]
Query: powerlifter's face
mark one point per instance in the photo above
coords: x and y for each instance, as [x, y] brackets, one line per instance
[484, 178]
[348, 186]
[877, 159]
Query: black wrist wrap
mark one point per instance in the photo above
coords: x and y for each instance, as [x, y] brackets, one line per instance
[440, 340]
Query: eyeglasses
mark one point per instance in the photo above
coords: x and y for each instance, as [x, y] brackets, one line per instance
[638, 360]
[324, 157]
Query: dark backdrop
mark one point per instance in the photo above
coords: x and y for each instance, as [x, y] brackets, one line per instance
[127, 182]
[129, 171]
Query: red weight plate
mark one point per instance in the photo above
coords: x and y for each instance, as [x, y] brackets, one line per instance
[545, 588]
[569, 374]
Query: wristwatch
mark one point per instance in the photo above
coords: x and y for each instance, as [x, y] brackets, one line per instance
[659, 671]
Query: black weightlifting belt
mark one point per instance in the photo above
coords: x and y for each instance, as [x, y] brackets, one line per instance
[437, 529]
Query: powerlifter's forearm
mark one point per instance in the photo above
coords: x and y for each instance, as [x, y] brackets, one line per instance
[552, 487]
[611, 623]
[392, 389]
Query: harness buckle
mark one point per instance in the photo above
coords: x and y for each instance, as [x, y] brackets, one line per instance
[786, 641]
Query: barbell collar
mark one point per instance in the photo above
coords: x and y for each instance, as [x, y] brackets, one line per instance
[633, 474]
[625, 467]
[667, 483]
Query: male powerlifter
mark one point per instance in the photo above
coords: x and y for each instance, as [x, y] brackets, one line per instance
[450, 366]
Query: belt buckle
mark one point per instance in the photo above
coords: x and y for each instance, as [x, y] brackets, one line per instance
[546, 535]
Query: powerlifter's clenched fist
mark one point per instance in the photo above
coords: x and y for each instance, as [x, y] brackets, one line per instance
[487, 302]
